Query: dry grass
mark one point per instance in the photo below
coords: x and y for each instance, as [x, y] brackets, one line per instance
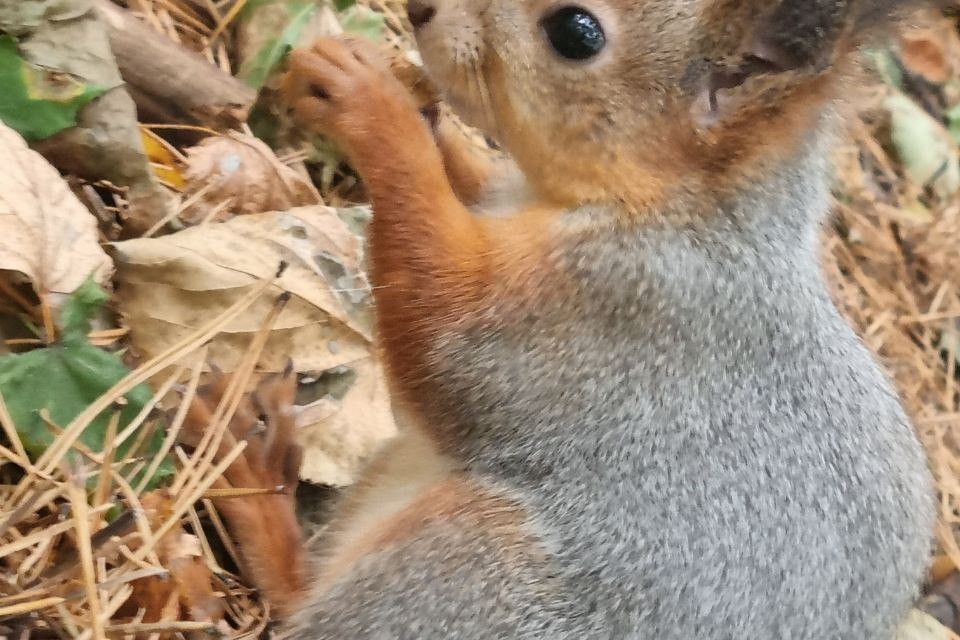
[894, 273]
[72, 559]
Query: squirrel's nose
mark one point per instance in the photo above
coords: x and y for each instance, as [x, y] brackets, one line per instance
[420, 12]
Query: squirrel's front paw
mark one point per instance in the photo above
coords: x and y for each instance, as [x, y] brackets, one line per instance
[345, 89]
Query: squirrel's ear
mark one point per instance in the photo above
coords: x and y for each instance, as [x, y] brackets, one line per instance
[783, 43]
[797, 35]
[789, 44]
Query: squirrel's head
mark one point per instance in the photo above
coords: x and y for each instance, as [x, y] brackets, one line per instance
[630, 99]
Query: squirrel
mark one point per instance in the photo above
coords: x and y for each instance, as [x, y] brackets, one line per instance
[630, 408]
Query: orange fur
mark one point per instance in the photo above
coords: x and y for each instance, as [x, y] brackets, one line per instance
[271, 546]
[643, 174]
[567, 167]
[468, 265]
[265, 527]
[432, 260]
[469, 168]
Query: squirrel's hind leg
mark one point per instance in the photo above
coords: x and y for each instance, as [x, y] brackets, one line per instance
[264, 525]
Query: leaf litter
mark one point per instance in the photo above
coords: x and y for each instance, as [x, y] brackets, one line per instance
[168, 286]
[70, 40]
[89, 547]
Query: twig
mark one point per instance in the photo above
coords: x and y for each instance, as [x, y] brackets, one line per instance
[154, 627]
[229, 18]
[81, 520]
[218, 494]
[174, 429]
[170, 83]
[141, 417]
[28, 607]
[102, 491]
[6, 421]
[46, 314]
[16, 297]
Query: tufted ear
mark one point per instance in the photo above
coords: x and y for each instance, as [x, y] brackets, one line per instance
[796, 35]
[782, 52]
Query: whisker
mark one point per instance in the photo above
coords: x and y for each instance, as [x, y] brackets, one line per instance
[484, 90]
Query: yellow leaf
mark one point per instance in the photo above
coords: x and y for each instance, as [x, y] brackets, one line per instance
[163, 162]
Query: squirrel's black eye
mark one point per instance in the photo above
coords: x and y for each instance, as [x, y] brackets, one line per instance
[574, 33]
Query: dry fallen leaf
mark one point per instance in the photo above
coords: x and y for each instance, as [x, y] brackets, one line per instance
[920, 626]
[169, 286]
[238, 174]
[341, 429]
[930, 156]
[931, 49]
[45, 232]
[924, 53]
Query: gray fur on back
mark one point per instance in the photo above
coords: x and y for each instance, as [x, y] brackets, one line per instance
[706, 448]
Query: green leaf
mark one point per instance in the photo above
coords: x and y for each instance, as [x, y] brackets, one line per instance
[259, 67]
[39, 102]
[364, 22]
[885, 62]
[928, 152]
[343, 5]
[953, 122]
[65, 379]
[79, 309]
[253, 5]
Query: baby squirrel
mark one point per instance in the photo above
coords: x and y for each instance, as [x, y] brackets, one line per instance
[630, 408]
